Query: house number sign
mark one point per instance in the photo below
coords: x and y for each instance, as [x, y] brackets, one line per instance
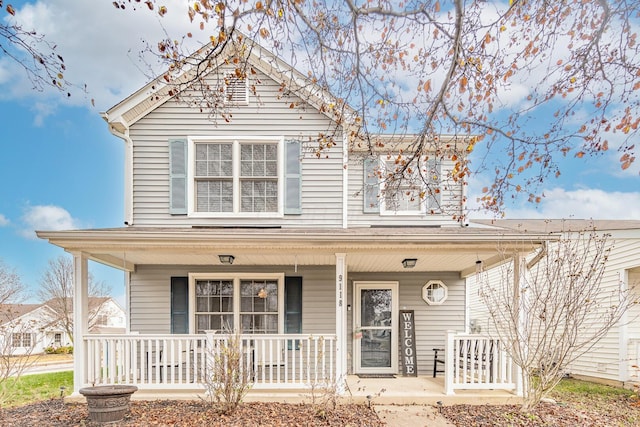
[408, 343]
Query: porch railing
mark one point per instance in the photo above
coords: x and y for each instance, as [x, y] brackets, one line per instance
[478, 362]
[183, 361]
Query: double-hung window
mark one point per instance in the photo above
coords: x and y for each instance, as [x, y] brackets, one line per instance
[21, 339]
[241, 176]
[254, 304]
[403, 189]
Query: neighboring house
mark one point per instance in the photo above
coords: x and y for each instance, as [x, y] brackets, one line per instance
[31, 328]
[239, 226]
[616, 358]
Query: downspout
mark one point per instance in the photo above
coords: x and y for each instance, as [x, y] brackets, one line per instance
[128, 168]
[128, 207]
[541, 254]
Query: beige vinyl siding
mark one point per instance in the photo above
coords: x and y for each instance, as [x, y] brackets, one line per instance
[604, 360]
[150, 295]
[431, 321]
[477, 309]
[270, 115]
[355, 197]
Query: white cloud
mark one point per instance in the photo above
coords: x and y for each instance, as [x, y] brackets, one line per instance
[41, 111]
[559, 203]
[48, 218]
[100, 46]
[3, 220]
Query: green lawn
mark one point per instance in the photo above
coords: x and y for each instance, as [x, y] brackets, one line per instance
[31, 388]
[578, 388]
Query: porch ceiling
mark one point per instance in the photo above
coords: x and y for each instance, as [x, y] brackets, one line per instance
[367, 249]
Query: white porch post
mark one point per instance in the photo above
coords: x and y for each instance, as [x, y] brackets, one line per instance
[80, 319]
[623, 332]
[449, 364]
[341, 321]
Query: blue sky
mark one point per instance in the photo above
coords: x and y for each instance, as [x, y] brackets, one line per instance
[60, 168]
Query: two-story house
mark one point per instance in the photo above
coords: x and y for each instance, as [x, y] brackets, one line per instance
[245, 225]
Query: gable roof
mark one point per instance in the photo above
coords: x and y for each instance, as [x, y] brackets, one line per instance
[10, 312]
[127, 112]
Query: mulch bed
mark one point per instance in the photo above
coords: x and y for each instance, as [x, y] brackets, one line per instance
[590, 412]
[618, 414]
[193, 413]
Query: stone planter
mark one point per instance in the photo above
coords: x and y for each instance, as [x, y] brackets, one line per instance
[108, 403]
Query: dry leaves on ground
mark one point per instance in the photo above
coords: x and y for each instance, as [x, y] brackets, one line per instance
[618, 413]
[194, 413]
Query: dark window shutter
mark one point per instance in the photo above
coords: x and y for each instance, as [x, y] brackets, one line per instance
[371, 186]
[293, 305]
[179, 305]
[292, 178]
[178, 177]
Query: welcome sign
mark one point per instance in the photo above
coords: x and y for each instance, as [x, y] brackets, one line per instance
[408, 344]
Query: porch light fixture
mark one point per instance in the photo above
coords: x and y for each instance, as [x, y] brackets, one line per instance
[409, 262]
[226, 259]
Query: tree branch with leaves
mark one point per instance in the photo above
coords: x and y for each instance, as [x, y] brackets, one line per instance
[523, 83]
[37, 56]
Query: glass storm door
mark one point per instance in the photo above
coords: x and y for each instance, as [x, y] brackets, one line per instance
[375, 340]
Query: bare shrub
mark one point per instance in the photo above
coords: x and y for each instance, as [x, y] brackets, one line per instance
[227, 379]
[555, 309]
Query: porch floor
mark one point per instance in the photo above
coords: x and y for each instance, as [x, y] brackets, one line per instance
[422, 390]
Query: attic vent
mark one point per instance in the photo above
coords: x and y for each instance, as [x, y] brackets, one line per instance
[236, 91]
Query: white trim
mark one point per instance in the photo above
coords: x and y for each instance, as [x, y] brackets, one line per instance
[236, 277]
[434, 282]
[357, 287]
[80, 318]
[341, 320]
[422, 202]
[235, 140]
[345, 182]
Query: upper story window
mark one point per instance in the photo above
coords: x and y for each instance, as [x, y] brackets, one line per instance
[393, 188]
[224, 177]
[255, 180]
[236, 177]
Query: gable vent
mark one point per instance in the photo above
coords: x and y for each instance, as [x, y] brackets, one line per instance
[236, 91]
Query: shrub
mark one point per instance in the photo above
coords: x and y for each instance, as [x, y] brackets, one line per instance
[226, 379]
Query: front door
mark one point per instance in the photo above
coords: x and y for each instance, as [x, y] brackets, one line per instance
[376, 317]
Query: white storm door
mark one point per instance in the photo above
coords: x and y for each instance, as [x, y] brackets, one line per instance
[376, 316]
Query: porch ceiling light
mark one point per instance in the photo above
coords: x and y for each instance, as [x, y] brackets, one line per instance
[226, 259]
[409, 262]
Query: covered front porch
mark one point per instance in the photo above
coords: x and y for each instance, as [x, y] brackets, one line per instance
[353, 286]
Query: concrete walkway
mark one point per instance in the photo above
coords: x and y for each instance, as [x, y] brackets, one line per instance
[411, 415]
